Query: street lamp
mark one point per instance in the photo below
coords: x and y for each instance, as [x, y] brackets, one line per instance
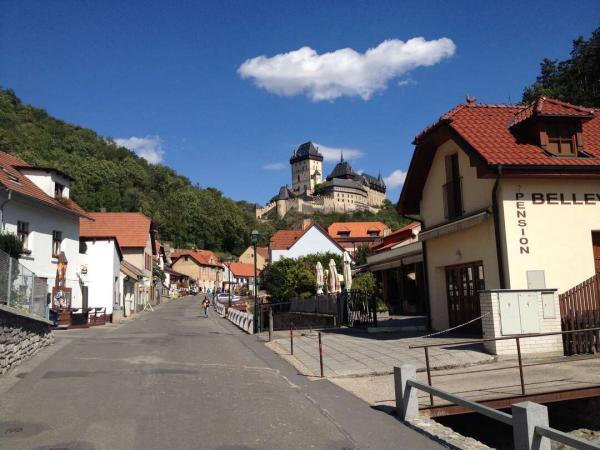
[254, 238]
[229, 278]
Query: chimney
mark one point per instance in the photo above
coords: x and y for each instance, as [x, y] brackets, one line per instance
[470, 100]
[306, 223]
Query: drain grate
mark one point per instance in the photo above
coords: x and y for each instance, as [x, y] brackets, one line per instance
[13, 430]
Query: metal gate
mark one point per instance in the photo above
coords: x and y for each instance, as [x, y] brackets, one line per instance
[357, 309]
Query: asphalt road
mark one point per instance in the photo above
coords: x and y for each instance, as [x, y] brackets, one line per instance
[172, 379]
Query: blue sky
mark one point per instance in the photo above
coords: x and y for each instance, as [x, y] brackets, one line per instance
[169, 79]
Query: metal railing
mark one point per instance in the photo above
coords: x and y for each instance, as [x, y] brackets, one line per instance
[21, 289]
[518, 338]
[528, 420]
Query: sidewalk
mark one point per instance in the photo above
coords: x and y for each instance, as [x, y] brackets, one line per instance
[351, 354]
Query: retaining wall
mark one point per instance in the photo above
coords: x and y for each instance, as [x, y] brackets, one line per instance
[21, 336]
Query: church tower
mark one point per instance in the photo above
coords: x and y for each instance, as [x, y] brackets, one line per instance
[307, 169]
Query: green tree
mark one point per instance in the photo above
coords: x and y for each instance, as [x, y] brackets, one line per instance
[574, 80]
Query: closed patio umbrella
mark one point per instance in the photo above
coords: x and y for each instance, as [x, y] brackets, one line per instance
[347, 271]
[332, 281]
[319, 277]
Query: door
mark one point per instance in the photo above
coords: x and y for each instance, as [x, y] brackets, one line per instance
[84, 297]
[463, 283]
[596, 245]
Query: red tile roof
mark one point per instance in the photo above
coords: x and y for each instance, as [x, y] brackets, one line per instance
[132, 229]
[13, 179]
[486, 128]
[398, 236]
[202, 257]
[263, 251]
[284, 239]
[356, 229]
[242, 270]
[491, 135]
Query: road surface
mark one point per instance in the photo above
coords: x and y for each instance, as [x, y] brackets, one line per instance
[172, 379]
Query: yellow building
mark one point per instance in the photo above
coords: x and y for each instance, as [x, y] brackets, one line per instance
[509, 198]
[201, 266]
[262, 257]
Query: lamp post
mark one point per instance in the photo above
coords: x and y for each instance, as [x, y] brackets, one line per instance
[254, 237]
[229, 278]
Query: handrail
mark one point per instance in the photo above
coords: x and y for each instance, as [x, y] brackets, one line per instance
[528, 420]
[564, 438]
[517, 339]
[477, 407]
[504, 338]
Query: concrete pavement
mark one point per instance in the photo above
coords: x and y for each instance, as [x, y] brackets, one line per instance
[174, 380]
[372, 354]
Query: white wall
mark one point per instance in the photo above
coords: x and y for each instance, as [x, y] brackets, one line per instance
[46, 181]
[102, 278]
[42, 221]
[311, 242]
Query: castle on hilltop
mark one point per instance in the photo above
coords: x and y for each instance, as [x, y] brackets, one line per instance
[343, 190]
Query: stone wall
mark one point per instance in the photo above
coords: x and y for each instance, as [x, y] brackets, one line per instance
[21, 337]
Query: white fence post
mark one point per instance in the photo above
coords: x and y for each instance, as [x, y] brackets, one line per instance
[526, 416]
[407, 402]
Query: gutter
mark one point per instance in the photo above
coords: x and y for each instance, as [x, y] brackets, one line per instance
[426, 273]
[495, 211]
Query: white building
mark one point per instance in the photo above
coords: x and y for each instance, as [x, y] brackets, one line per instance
[35, 205]
[308, 240]
[100, 271]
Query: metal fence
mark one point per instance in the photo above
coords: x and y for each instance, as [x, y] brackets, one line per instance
[20, 288]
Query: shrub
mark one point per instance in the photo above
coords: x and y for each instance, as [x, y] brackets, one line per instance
[11, 244]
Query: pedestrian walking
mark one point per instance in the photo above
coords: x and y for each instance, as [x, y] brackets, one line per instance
[205, 304]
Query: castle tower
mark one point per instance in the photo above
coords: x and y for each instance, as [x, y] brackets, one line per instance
[307, 168]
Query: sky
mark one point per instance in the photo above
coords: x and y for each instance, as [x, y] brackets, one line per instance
[224, 91]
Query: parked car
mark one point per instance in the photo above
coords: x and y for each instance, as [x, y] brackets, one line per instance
[223, 297]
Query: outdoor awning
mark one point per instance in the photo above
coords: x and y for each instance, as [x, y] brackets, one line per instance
[130, 270]
[401, 256]
[456, 225]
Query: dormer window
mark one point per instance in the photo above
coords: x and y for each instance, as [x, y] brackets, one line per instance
[562, 139]
[373, 233]
[343, 233]
[58, 190]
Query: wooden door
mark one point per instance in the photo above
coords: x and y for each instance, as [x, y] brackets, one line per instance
[463, 283]
[596, 245]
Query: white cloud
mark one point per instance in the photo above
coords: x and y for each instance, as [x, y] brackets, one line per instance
[149, 147]
[275, 166]
[343, 72]
[334, 153]
[395, 179]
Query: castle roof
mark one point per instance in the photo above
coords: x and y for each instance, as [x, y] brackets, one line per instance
[343, 169]
[306, 151]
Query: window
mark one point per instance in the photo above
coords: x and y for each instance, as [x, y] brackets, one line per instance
[561, 140]
[453, 207]
[56, 242]
[82, 246]
[58, 190]
[373, 233]
[147, 261]
[343, 233]
[23, 233]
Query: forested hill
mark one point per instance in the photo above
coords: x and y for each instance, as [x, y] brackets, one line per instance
[115, 178]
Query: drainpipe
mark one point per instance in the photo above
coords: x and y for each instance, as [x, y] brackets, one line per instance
[496, 212]
[9, 196]
[425, 273]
